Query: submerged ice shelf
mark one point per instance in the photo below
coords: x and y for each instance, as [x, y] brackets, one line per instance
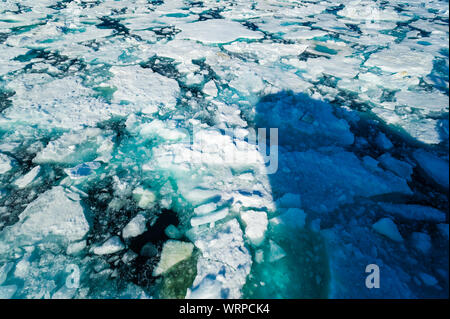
[128, 155]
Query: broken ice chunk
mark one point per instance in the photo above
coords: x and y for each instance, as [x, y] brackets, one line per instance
[172, 232]
[159, 128]
[399, 168]
[135, 227]
[145, 198]
[28, 178]
[435, 167]
[259, 256]
[275, 252]
[428, 280]
[421, 242]
[111, 246]
[223, 257]
[208, 288]
[7, 292]
[205, 208]
[387, 227]
[4, 270]
[82, 170]
[173, 252]
[370, 163]
[143, 88]
[383, 142]
[210, 89]
[209, 218]
[55, 214]
[76, 248]
[212, 31]
[5, 163]
[255, 226]
[414, 212]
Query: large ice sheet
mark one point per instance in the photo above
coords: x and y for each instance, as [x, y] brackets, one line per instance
[216, 31]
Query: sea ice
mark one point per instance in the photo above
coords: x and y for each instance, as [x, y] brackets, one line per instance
[255, 226]
[135, 227]
[146, 90]
[435, 167]
[144, 197]
[292, 217]
[55, 215]
[421, 242]
[400, 168]
[82, 170]
[173, 252]
[6, 163]
[209, 218]
[111, 246]
[275, 252]
[387, 227]
[414, 212]
[224, 257]
[216, 31]
[28, 178]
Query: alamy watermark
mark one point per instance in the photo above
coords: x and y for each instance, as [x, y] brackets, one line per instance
[73, 280]
[373, 279]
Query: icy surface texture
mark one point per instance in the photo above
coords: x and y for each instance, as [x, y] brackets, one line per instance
[130, 168]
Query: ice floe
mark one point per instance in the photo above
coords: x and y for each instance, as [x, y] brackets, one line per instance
[173, 252]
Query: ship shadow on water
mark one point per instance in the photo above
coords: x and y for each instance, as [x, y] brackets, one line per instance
[306, 270]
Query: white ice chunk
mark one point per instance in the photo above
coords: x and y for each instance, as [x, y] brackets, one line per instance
[158, 128]
[4, 270]
[224, 259]
[6, 163]
[209, 218]
[208, 288]
[387, 227]
[76, 248]
[135, 227]
[54, 214]
[144, 197]
[402, 60]
[255, 225]
[267, 52]
[210, 89]
[48, 102]
[216, 31]
[7, 292]
[111, 246]
[205, 208]
[75, 147]
[172, 253]
[28, 178]
[144, 88]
